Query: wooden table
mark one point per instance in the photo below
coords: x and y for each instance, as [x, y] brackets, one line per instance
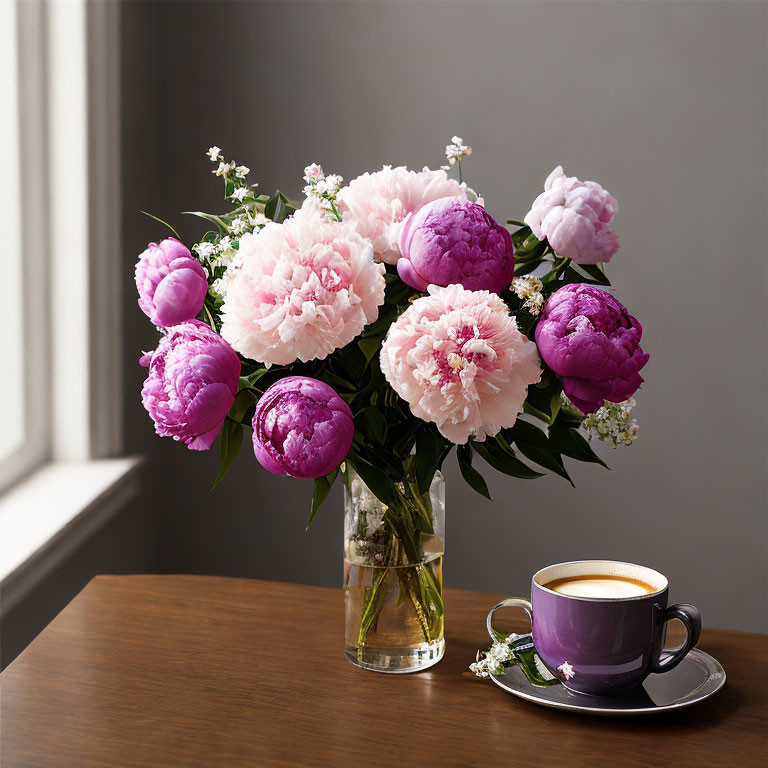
[200, 671]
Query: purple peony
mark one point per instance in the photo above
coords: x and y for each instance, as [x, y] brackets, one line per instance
[592, 343]
[575, 218]
[192, 381]
[301, 428]
[452, 241]
[171, 283]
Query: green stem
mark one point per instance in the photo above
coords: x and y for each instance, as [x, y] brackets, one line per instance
[374, 598]
[411, 516]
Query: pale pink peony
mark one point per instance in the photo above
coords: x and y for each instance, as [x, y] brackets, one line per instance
[301, 289]
[460, 361]
[575, 218]
[376, 204]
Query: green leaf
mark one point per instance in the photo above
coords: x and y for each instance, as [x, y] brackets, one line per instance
[533, 411]
[543, 399]
[377, 481]
[230, 439]
[545, 458]
[505, 461]
[402, 446]
[536, 446]
[517, 223]
[244, 399]
[217, 220]
[597, 274]
[372, 421]
[323, 486]
[555, 402]
[530, 663]
[474, 479]
[278, 208]
[369, 346]
[252, 378]
[429, 449]
[558, 269]
[525, 432]
[526, 267]
[164, 223]
[570, 443]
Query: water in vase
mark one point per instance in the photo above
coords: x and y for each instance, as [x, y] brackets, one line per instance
[400, 628]
[393, 585]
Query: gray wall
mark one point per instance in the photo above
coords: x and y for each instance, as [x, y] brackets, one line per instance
[663, 103]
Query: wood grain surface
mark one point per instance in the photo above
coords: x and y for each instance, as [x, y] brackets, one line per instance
[206, 671]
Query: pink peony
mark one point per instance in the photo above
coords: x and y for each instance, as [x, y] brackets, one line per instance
[171, 283]
[300, 290]
[455, 241]
[191, 384]
[376, 204]
[460, 361]
[301, 428]
[589, 339]
[575, 218]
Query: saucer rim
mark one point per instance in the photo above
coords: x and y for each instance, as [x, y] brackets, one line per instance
[618, 712]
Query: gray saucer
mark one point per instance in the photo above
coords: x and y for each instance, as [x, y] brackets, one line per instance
[697, 677]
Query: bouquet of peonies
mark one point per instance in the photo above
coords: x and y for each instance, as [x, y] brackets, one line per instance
[378, 325]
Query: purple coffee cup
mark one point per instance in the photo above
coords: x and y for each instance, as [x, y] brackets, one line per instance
[603, 645]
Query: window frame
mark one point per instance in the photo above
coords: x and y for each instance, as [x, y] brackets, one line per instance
[69, 196]
[29, 178]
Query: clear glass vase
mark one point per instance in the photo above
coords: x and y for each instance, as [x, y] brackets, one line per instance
[393, 576]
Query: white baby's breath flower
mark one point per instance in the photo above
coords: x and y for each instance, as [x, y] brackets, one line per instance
[240, 193]
[526, 286]
[492, 661]
[456, 151]
[529, 288]
[613, 424]
[259, 220]
[214, 153]
[238, 226]
[479, 668]
[313, 172]
[323, 188]
[241, 171]
[534, 303]
[333, 182]
[204, 250]
[223, 169]
[220, 286]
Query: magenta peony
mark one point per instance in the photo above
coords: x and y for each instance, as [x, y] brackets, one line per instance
[301, 289]
[575, 218]
[454, 241]
[301, 428]
[191, 384]
[376, 204]
[592, 343]
[171, 283]
[457, 357]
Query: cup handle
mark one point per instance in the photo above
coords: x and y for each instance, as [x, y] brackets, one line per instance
[691, 618]
[510, 602]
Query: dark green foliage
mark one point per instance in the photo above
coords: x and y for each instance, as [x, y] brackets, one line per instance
[474, 479]
[323, 486]
[230, 439]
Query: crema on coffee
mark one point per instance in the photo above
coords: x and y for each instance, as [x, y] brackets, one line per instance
[600, 585]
